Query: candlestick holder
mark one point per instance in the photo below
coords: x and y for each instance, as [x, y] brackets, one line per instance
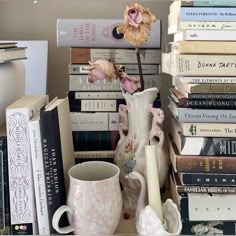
[147, 222]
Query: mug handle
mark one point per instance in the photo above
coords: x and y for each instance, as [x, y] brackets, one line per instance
[56, 217]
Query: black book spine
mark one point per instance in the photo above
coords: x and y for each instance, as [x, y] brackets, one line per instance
[6, 197]
[208, 179]
[53, 165]
[211, 103]
[95, 140]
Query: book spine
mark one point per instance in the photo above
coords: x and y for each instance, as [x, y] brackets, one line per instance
[202, 115]
[95, 140]
[100, 33]
[19, 145]
[205, 79]
[95, 154]
[205, 146]
[74, 95]
[5, 176]
[201, 25]
[210, 104]
[217, 227]
[205, 189]
[122, 56]
[96, 105]
[39, 178]
[211, 96]
[81, 83]
[206, 164]
[215, 35]
[97, 121]
[130, 69]
[2, 210]
[208, 130]
[210, 207]
[207, 13]
[207, 65]
[53, 166]
[205, 88]
[206, 179]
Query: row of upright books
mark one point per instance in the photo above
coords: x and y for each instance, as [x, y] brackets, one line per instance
[202, 103]
[94, 107]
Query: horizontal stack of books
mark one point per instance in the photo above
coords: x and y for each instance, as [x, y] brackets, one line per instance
[202, 102]
[94, 106]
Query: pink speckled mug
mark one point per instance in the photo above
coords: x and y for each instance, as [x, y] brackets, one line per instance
[94, 201]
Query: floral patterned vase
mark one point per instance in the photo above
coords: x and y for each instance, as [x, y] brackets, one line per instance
[141, 126]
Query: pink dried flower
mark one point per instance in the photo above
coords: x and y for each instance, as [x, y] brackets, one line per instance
[129, 84]
[137, 24]
[101, 69]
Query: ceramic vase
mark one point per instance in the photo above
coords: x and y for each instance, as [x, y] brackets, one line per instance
[141, 125]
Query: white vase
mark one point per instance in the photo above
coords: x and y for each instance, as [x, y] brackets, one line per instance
[144, 124]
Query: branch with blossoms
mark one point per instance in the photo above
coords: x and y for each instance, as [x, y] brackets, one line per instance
[136, 29]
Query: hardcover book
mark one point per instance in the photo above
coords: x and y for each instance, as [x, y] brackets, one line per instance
[78, 95]
[100, 33]
[95, 121]
[130, 69]
[58, 153]
[96, 105]
[80, 55]
[200, 163]
[202, 25]
[199, 35]
[204, 87]
[198, 65]
[95, 140]
[207, 179]
[201, 115]
[18, 115]
[177, 187]
[207, 146]
[12, 53]
[39, 176]
[210, 207]
[182, 101]
[204, 47]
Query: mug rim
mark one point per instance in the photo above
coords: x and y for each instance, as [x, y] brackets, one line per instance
[94, 162]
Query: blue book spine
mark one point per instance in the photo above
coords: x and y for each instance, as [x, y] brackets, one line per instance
[214, 3]
[207, 14]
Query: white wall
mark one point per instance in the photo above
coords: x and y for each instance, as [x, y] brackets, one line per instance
[23, 20]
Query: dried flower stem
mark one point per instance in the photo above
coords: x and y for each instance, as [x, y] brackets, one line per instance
[137, 51]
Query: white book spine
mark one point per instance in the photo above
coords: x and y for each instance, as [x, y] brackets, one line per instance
[214, 207]
[80, 83]
[98, 95]
[201, 25]
[205, 79]
[130, 69]
[100, 33]
[214, 35]
[200, 65]
[20, 164]
[98, 105]
[39, 178]
[208, 129]
[98, 121]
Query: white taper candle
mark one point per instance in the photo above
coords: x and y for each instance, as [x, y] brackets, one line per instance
[154, 195]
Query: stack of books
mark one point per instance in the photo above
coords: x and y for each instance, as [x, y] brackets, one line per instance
[94, 106]
[202, 102]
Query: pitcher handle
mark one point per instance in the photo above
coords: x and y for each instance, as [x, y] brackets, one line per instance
[56, 217]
